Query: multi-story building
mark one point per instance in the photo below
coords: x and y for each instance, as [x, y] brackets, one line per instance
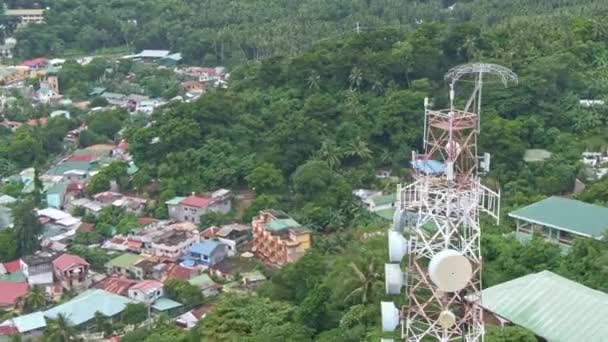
[26, 16]
[232, 235]
[278, 239]
[71, 271]
[192, 207]
[38, 269]
[146, 291]
[206, 253]
[172, 245]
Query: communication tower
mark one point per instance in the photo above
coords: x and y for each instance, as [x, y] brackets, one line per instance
[436, 222]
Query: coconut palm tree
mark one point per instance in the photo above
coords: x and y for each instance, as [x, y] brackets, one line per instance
[314, 81]
[355, 78]
[330, 153]
[366, 281]
[35, 300]
[359, 149]
[60, 330]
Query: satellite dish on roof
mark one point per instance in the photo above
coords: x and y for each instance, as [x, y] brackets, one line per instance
[394, 278]
[390, 316]
[398, 246]
[450, 271]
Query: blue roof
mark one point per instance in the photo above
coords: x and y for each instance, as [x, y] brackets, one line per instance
[429, 166]
[82, 308]
[189, 263]
[29, 322]
[205, 247]
[164, 304]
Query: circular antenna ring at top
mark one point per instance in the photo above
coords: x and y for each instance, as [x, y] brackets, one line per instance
[450, 271]
[505, 75]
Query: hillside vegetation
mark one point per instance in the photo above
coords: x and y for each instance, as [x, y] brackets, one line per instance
[229, 32]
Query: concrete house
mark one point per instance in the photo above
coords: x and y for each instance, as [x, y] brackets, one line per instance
[192, 207]
[232, 235]
[38, 269]
[146, 291]
[71, 271]
[172, 244]
[207, 253]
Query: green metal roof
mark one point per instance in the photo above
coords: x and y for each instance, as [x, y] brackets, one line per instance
[29, 322]
[16, 277]
[164, 304]
[59, 169]
[57, 188]
[384, 200]
[566, 214]
[282, 223]
[202, 280]
[126, 260]
[82, 308]
[551, 306]
[175, 200]
[386, 213]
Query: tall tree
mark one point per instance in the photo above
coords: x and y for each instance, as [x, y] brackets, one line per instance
[60, 329]
[26, 227]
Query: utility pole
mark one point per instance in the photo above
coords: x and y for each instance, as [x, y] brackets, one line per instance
[358, 28]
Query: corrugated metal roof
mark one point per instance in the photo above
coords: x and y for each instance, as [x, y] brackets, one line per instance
[202, 280]
[164, 304]
[385, 199]
[29, 322]
[126, 260]
[175, 200]
[566, 214]
[551, 306]
[282, 223]
[82, 308]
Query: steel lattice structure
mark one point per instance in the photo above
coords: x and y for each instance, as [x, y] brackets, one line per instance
[443, 207]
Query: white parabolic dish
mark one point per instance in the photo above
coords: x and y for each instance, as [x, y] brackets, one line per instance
[450, 270]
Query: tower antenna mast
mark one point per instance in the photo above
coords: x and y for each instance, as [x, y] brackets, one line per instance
[436, 222]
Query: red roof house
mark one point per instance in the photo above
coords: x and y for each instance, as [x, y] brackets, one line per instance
[144, 221]
[117, 285]
[35, 63]
[12, 266]
[181, 272]
[71, 271]
[82, 157]
[196, 201]
[10, 293]
[68, 261]
[8, 330]
[147, 285]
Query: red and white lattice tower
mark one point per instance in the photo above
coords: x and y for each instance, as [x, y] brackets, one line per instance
[436, 223]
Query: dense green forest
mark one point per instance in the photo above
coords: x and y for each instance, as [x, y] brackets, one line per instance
[324, 111]
[229, 32]
[306, 130]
